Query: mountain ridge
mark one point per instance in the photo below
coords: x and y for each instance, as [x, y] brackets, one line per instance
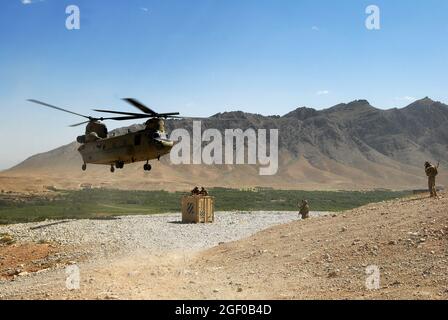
[348, 146]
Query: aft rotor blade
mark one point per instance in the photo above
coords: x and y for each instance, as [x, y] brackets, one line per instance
[140, 106]
[57, 108]
[119, 112]
[143, 116]
[187, 118]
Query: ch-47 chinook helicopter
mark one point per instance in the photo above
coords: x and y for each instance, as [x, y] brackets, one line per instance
[97, 147]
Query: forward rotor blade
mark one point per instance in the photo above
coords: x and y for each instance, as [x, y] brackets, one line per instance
[118, 112]
[140, 106]
[78, 124]
[169, 114]
[57, 108]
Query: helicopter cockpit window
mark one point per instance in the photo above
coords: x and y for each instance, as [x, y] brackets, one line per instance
[138, 139]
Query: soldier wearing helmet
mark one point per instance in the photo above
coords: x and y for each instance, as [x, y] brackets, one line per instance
[304, 209]
[431, 172]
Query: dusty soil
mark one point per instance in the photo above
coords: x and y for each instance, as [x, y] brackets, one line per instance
[326, 258]
[321, 258]
[22, 259]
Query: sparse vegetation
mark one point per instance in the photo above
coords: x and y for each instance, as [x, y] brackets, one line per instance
[102, 203]
[6, 239]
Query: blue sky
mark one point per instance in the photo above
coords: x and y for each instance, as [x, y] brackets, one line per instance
[207, 56]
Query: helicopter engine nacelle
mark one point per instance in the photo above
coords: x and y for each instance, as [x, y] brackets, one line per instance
[155, 124]
[81, 139]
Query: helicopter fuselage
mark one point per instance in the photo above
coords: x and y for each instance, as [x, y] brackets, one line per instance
[143, 145]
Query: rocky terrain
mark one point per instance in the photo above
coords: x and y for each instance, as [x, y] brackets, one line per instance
[325, 257]
[348, 146]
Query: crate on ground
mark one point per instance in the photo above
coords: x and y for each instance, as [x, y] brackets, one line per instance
[198, 209]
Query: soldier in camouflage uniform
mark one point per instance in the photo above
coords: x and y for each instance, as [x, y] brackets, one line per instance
[195, 191]
[431, 172]
[304, 209]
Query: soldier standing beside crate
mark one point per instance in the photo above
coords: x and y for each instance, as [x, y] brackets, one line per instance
[203, 192]
[431, 172]
[304, 209]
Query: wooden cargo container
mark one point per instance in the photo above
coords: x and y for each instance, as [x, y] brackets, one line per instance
[198, 209]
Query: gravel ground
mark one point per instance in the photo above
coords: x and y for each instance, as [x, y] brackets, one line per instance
[101, 242]
[163, 232]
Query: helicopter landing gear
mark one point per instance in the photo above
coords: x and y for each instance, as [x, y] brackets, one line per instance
[84, 167]
[112, 168]
[147, 167]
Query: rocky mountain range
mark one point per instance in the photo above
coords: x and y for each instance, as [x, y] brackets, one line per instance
[349, 146]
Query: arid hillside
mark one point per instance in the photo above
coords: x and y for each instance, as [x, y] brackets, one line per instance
[327, 257]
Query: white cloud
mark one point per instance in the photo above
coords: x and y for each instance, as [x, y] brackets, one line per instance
[406, 98]
[322, 92]
[26, 2]
[144, 9]
[315, 28]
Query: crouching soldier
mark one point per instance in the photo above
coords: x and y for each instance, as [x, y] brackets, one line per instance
[195, 191]
[304, 209]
